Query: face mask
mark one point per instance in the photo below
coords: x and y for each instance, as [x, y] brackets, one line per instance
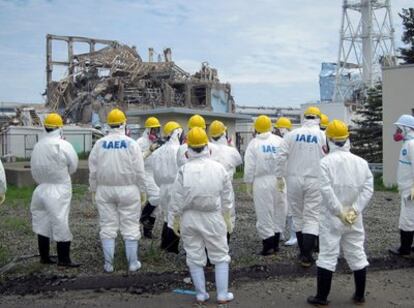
[398, 136]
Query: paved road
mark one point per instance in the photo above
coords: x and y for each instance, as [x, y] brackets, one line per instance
[384, 289]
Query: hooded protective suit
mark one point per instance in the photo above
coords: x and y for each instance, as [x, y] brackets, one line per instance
[405, 179]
[165, 171]
[299, 157]
[53, 161]
[203, 191]
[259, 169]
[230, 159]
[345, 182]
[116, 173]
[152, 189]
[3, 182]
[182, 156]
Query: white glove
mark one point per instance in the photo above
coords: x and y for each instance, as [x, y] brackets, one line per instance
[2, 198]
[280, 184]
[249, 190]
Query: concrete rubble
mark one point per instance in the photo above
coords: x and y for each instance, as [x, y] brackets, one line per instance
[116, 75]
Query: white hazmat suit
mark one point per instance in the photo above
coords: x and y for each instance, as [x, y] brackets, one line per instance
[116, 174]
[203, 193]
[270, 203]
[405, 179]
[53, 161]
[230, 159]
[346, 182]
[152, 189]
[302, 150]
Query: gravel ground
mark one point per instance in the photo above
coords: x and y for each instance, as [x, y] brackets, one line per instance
[16, 237]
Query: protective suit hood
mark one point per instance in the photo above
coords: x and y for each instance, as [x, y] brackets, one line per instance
[311, 122]
[407, 132]
[175, 136]
[263, 136]
[54, 133]
[333, 147]
[221, 140]
[193, 154]
[118, 130]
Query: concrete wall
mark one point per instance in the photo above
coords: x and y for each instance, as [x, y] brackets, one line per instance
[18, 174]
[398, 99]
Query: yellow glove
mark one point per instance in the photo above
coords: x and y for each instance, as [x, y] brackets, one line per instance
[2, 198]
[249, 190]
[143, 197]
[280, 184]
[343, 217]
[93, 198]
[351, 216]
[227, 220]
[176, 226]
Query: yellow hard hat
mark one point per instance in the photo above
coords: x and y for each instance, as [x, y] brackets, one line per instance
[283, 122]
[116, 117]
[170, 127]
[152, 122]
[196, 121]
[263, 124]
[337, 131]
[324, 120]
[313, 111]
[53, 120]
[216, 129]
[197, 138]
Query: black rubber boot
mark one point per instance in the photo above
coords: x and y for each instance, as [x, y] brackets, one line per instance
[406, 239]
[306, 260]
[44, 248]
[316, 247]
[147, 228]
[147, 220]
[360, 278]
[324, 280]
[164, 236]
[268, 246]
[299, 236]
[173, 241]
[63, 252]
[276, 242]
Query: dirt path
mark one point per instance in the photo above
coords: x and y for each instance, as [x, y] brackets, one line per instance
[384, 289]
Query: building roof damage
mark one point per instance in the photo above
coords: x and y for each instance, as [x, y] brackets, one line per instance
[116, 75]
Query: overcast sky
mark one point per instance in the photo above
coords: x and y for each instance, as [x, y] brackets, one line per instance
[269, 50]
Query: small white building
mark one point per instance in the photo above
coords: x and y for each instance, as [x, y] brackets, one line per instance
[397, 99]
[19, 141]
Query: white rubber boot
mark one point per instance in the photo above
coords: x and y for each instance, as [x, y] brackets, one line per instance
[108, 246]
[222, 283]
[199, 282]
[292, 240]
[131, 252]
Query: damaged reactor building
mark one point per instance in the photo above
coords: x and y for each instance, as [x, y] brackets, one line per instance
[116, 75]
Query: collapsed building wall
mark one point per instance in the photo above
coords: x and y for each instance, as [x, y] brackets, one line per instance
[116, 75]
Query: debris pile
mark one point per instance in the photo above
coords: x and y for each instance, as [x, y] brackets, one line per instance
[116, 75]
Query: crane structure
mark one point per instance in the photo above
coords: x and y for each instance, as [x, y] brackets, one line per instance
[366, 43]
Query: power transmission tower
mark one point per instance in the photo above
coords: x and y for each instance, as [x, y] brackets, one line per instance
[366, 43]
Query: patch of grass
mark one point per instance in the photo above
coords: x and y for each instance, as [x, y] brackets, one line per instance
[79, 191]
[4, 255]
[83, 155]
[22, 194]
[153, 255]
[239, 172]
[379, 185]
[15, 224]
